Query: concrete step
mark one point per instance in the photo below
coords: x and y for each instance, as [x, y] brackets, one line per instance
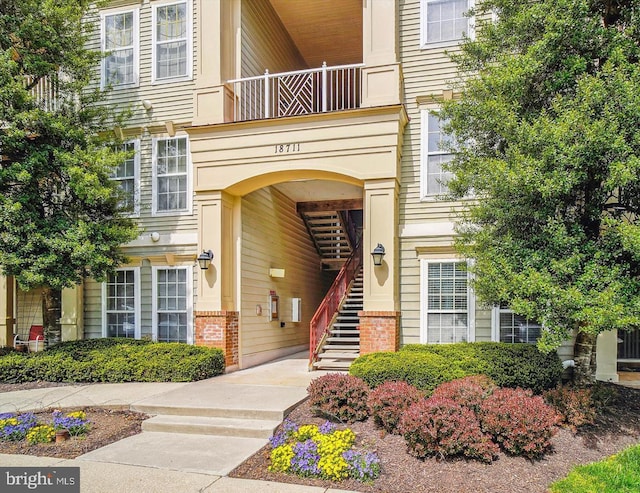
[343, 339]
[201, 425]
[336, 356]
[332, 365]
[355, 347]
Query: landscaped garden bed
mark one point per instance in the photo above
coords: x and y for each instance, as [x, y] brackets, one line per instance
[616, 426]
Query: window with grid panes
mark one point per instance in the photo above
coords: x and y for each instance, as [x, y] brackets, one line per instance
[447, 298]
[121, 304]
[171, 186]
[125, 175]
[171, 41]
[172, 304]
[120, 40]
[434, 178]
[514, 328]
[444, 21]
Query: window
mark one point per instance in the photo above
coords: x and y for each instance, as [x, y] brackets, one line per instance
[447, 303]
[444, 21]
[172, 304]
[172, 41]
[121, 303]
[433, 177]
[509, 327]
[120, 41]
[126, 174]
[171, 180]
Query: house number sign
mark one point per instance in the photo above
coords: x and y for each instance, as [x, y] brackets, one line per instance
[284, 148]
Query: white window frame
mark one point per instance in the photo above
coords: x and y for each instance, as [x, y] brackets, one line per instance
[154, 176]
[438, 44]
[136, 47]
[495, 323]
[424, 297]
[136, 177]
[154, 42]
[425, 153]
[137, 303]
[189, 297]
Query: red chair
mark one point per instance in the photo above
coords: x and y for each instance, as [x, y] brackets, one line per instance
[35, 341]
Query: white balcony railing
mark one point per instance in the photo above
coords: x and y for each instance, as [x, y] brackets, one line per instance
[45, 91]
[297, 93]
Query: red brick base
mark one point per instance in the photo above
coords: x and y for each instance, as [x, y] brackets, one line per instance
[219, 329]
[379, 331]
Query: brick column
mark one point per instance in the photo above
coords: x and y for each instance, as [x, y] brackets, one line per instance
[219, 329]
[379, 331]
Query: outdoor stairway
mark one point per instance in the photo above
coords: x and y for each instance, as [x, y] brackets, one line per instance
[330, 236]
[343, 344]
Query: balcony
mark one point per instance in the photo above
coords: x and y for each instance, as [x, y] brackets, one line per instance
[301, 92]
[45, 91]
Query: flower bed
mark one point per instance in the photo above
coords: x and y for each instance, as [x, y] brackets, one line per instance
[321, 452]
[17, 427]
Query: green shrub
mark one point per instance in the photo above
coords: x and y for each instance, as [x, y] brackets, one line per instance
[339, 397]
[423, 370]
[508, 365]
[114, 360]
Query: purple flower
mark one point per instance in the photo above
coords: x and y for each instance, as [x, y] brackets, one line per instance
[18, 430]
[327, 427]
[277, 440]
[289, 426]
[305, 458]
[75, 426]
[363, 466]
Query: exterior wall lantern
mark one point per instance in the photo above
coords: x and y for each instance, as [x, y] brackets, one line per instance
[378, 254]
[204, 259]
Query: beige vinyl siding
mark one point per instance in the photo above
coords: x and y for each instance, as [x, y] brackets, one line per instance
[172, 101]
[274, 236]
[93, 303]
[265, 42]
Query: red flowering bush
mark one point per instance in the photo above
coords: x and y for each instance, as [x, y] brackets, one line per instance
[521, 423]
[440, 427]
[468, 391]
[339, 397]
[575, 406]
[389, 401]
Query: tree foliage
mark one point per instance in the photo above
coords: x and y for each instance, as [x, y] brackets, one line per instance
[547, 136]
[60, 218]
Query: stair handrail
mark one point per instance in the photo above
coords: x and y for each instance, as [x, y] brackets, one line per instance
[320, 323]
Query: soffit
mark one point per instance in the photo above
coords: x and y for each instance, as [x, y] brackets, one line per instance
[324, 30]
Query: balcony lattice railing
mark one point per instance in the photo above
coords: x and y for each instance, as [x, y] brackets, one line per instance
[297, 93]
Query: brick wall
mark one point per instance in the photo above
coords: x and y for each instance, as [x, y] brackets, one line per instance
[379, 331]
[219, 329]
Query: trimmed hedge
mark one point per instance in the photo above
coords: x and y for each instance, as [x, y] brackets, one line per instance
[427, 365]
[114, 360]
[508, 365]
[422, 370]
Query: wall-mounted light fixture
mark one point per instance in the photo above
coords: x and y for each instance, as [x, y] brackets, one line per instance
[147, 105]
[205, 258]
[378, 254]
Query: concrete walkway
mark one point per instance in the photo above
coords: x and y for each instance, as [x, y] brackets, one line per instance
[205, 429]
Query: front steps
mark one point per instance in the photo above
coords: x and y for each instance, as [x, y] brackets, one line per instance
[342, 346]
[206, 425]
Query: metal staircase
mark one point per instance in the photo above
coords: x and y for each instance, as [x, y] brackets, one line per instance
[342, 345]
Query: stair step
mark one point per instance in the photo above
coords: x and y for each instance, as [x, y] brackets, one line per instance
[338, 347]
[333, 355]
[343, 339]
[346, 325]
[332, 365]
[200, 425]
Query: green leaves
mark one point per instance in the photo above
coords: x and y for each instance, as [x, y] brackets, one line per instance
[549, 127]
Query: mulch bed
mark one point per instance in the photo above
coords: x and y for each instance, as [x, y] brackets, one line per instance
[613, 431]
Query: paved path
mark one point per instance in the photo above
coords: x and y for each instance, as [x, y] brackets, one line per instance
[171, 460]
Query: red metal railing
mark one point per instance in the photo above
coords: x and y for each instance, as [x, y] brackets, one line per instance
[321, 321]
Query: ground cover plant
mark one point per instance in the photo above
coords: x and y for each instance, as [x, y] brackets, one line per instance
[113, 360]
[16, 427]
